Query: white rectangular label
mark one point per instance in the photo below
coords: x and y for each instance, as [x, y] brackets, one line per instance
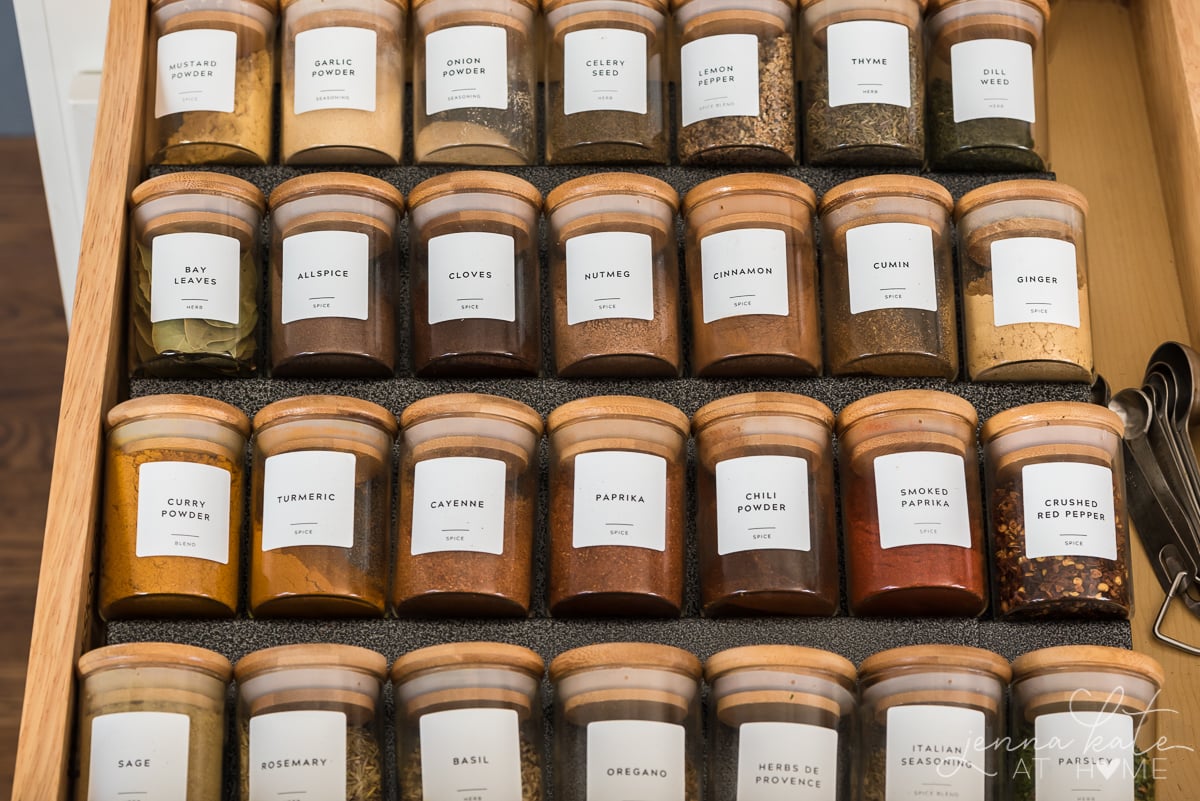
[298, 756]
[868, 63]
[610, 275]
[466, 67]
[1083, 756]
[635, 760]
[472, 276]
[1069, 510]
[720, 77]
[325, 274]
[195, 277]
[620, 499]
[308, 499]
[183, 510]
[1034, 281]
[762, 503]
[936, 752]
[992, 78]
[139, 755]
[787, 762]
[335, 68]
[197, 71]
[604, 69]
[891, 267]
[744, 271]
[922, 499]
[458, 505]
[471, 754]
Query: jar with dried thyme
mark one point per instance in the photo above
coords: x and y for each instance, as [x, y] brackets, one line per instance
[614, 277]
[151, 722]
[737, 82]
[333, 276]
[606, 99]
[1022, 258]
[469, 715]
[211, 82]
[194, 276]
[752, 277]
[888, 278]
[863, 82]
[342, 80]
[308, 720]
[174, 481]
[468, 495]
[322, 508]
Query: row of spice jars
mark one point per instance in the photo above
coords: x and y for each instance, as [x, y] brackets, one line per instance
[767, 537]
[862, 66]
[783, 722]
[887, 274]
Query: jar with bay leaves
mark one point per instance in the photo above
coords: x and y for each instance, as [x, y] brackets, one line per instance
[194, 276]
[322, 508]
[212, 81]
[333, 276]
[308, 717]
[614, 277]
[469, 714]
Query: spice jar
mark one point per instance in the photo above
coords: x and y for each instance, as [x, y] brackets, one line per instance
[322, 507]
[473, 81]
[194, 275]
[737, 82]
[751, 267]
[343, 81]
[987, 85]
[626, 723]
[911, 510]
[765, 505]
[781, 723]
[888, 278]
[173, 487]
[474, 271]
[863, 82]
[605, 101]
[1022, 258]
[151, 722]
[616, 506]
[1057, 518]
[931, 718]
[333, 276]
[469, 714]
[1085, 725]
[211, 76]
[308, 717]
[614, 276]
[468, 491]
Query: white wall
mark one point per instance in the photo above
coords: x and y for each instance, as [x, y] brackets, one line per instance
[15, 119]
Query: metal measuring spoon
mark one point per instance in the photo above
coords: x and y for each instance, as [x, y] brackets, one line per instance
[1162, 440]
[1181, 366]
[1171, 401]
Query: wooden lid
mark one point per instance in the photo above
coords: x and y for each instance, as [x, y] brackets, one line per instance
[155, 654]
[749, 183]
[198, 183]
[269, 5]
[755, 706]
[901, 400]
[359, 707]
[618, 406]
[625, 655]
[531, 4]
[1098, 658]
[864, 13]
[312, 655]
[468, 697]
[750, 5]
[762, 403]
[876, 186]
[611, 183]
[657, 5]
[452, 183]
[613, 704]
[326, 406]
[283, 4]
[935, 657]
[473, 404]
[782, 658]
[337, 183]
[458, 655]
[938, 697]
[1052, 413]
[1023, 189]
[940, 5]
[174, 405]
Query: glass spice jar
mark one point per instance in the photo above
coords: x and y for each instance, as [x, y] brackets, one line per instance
[473, 82]
[626, 723]
[343, 81]
[469, 714]
[211, 79]
[1022, 258]
[1084, 725]
[780, 724]
[911, 508]
[863, 82]
[468, 493]
[987, 85]
[322, 507]
[473, 264]
[752, 277]
[308, 717]
[614, 277]
[737, 82]
[151, 722]
[765, 505]
[1057, 516]
[194, 275]
[605, 98]
[173, 487]
[333, 276]
[888, 278]
[616, 507]
[932, 716]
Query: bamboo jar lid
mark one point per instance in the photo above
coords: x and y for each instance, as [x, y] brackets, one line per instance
[750, 4]
[270, 5]
[880, 186]
[934, 658]
[1097, 658]
[907, 400]
[749, 183]
[660, 6]
[155, 655]
[314, 655]
[611, 183]
[401, 4]
[471, 404]
[318, 406]
[608, 406]
[1052, 413]
[1022, 189]
[762, 404]
[936, 6]
[176, 406]
[630, 655]
[198, 183]
[758, 706]
[462, 181]
[783, 659]
[337, 183]
[463, 655]
[863, 13]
